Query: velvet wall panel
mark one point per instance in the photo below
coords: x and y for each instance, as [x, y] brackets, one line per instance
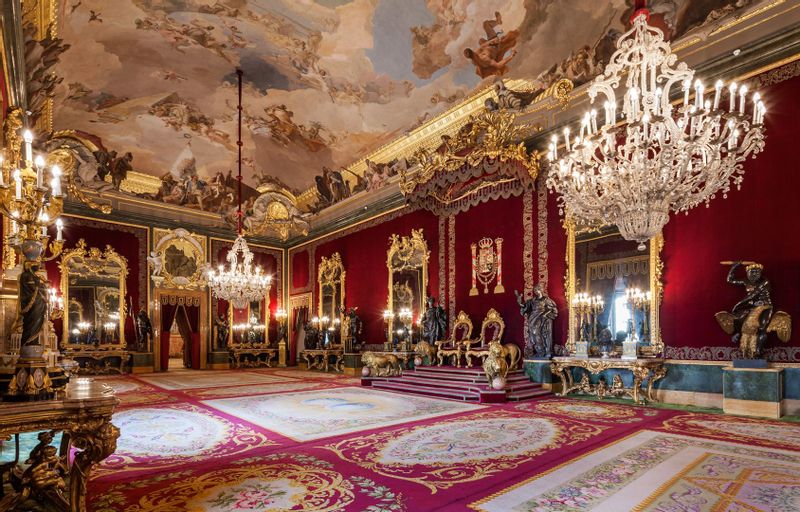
[128, 241]
[364, 257]
[301, 278]
[758, 222]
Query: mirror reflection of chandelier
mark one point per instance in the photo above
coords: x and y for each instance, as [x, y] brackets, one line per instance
[240, 283]
[661, 158]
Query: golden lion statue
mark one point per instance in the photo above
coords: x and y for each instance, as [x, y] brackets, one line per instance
[511, 351]
[495, 364]
[424, 349]
[382, 365]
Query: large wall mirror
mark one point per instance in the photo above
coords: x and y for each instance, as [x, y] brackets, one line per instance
[407, 262]
[331, 279]
[614, 291]
[93, 282]
[250, 325]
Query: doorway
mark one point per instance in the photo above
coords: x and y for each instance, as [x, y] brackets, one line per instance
[182, 339]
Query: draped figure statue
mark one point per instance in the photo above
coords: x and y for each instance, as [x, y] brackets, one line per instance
[539, 312]
[434, 322]
[33, 303]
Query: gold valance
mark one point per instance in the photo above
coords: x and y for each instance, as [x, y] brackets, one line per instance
[180, 300]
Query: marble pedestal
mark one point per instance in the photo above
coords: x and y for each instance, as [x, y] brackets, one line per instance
[752, 391]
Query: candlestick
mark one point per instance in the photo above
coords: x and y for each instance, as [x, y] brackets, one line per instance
[717, 92]
[59, 229]
[732, 96]
[742, 94]
[27, 136]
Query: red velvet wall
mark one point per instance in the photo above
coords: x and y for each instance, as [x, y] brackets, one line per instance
[758, 222]
[364, 258]
[300, 278]
[128, 241]
[556, 270]
[494, 219]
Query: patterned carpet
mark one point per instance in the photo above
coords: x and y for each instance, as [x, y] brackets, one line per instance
[280, 440]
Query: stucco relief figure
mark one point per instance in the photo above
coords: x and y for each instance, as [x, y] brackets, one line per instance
[434, 322]
[539, 312]
[493, 54]
[752, 319]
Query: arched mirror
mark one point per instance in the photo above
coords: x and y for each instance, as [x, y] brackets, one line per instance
[93, 283]
[614, 291]
[331, 278]
[407, 262]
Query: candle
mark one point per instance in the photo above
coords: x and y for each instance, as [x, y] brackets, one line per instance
[686, 84]
[18, 183]
[742, 93]
[657, 102]
[566, 140]
[634, 102]
[594, 121]
[59, 228]
[27, 136]
[732, 96]
[698, 94]
[39, 164]
[717, 92]
[554, 147]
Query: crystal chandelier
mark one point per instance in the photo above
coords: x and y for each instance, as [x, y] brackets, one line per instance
[661, 158]
[240, 283]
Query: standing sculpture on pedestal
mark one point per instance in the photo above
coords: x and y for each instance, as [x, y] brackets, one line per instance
[539, 312]
[434, 322]
[144, 331]
[752, 318]
[352, 326]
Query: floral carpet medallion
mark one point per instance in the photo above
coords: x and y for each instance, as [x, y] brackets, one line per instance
[466, 449]
[310, 415]
[168, 435]
[663, 472]
[585, 410]
[255, 389]
[748, 430]
[208, 379]
[270, 483]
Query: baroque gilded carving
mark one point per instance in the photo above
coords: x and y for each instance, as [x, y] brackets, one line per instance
[178, 259]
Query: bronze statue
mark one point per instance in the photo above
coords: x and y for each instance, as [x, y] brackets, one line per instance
[434, 322]
[539, 312]
[144, 331]
[311, 339]
[352, 326]
[221, 323]
[753, 318]
[33, 303]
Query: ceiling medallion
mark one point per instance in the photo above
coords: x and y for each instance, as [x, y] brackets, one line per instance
[240, 283]
[661, 158]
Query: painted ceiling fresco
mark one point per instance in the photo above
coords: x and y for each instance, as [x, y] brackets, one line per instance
[326, 81]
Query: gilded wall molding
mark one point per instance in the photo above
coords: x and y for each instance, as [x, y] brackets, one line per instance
[451, 268]
[527, 248]
[541, 228]
[442, 250]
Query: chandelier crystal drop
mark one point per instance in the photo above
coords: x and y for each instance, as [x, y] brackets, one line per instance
[661, 158]
[240, 283]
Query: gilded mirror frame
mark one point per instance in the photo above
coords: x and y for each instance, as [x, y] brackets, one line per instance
[407, 253]
[265, 318]
[331, 272]
[656, 346]
[98, 259]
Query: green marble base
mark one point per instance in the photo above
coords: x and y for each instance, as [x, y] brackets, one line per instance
[538, 370]
[753, 391]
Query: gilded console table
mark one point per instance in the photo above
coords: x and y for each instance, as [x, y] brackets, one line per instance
[83, 415]
[99, 361]
[320, 359]
[651, 370]
[259, 356]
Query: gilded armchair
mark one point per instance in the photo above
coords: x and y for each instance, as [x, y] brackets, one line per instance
[453, 346]
[491, 330]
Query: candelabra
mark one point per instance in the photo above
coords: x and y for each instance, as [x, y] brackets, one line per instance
[282, 317]
[639, 301]
[388, 322]
[587, 309]
[31, 197]
[405, 331]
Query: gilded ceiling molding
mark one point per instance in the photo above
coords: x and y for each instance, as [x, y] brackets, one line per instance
[451, 268]
[776, 75]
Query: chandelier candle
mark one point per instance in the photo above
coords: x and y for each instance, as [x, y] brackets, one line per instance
[634, 171]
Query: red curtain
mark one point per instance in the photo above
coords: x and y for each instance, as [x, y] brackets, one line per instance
[167, 317]
[188, 320]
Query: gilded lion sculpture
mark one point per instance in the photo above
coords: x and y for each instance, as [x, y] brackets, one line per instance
[382, 365]
[512, 353]
[495, 364]
[424, 349]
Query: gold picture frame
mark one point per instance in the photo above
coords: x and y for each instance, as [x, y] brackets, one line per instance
[331, 274]
[407, 254]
